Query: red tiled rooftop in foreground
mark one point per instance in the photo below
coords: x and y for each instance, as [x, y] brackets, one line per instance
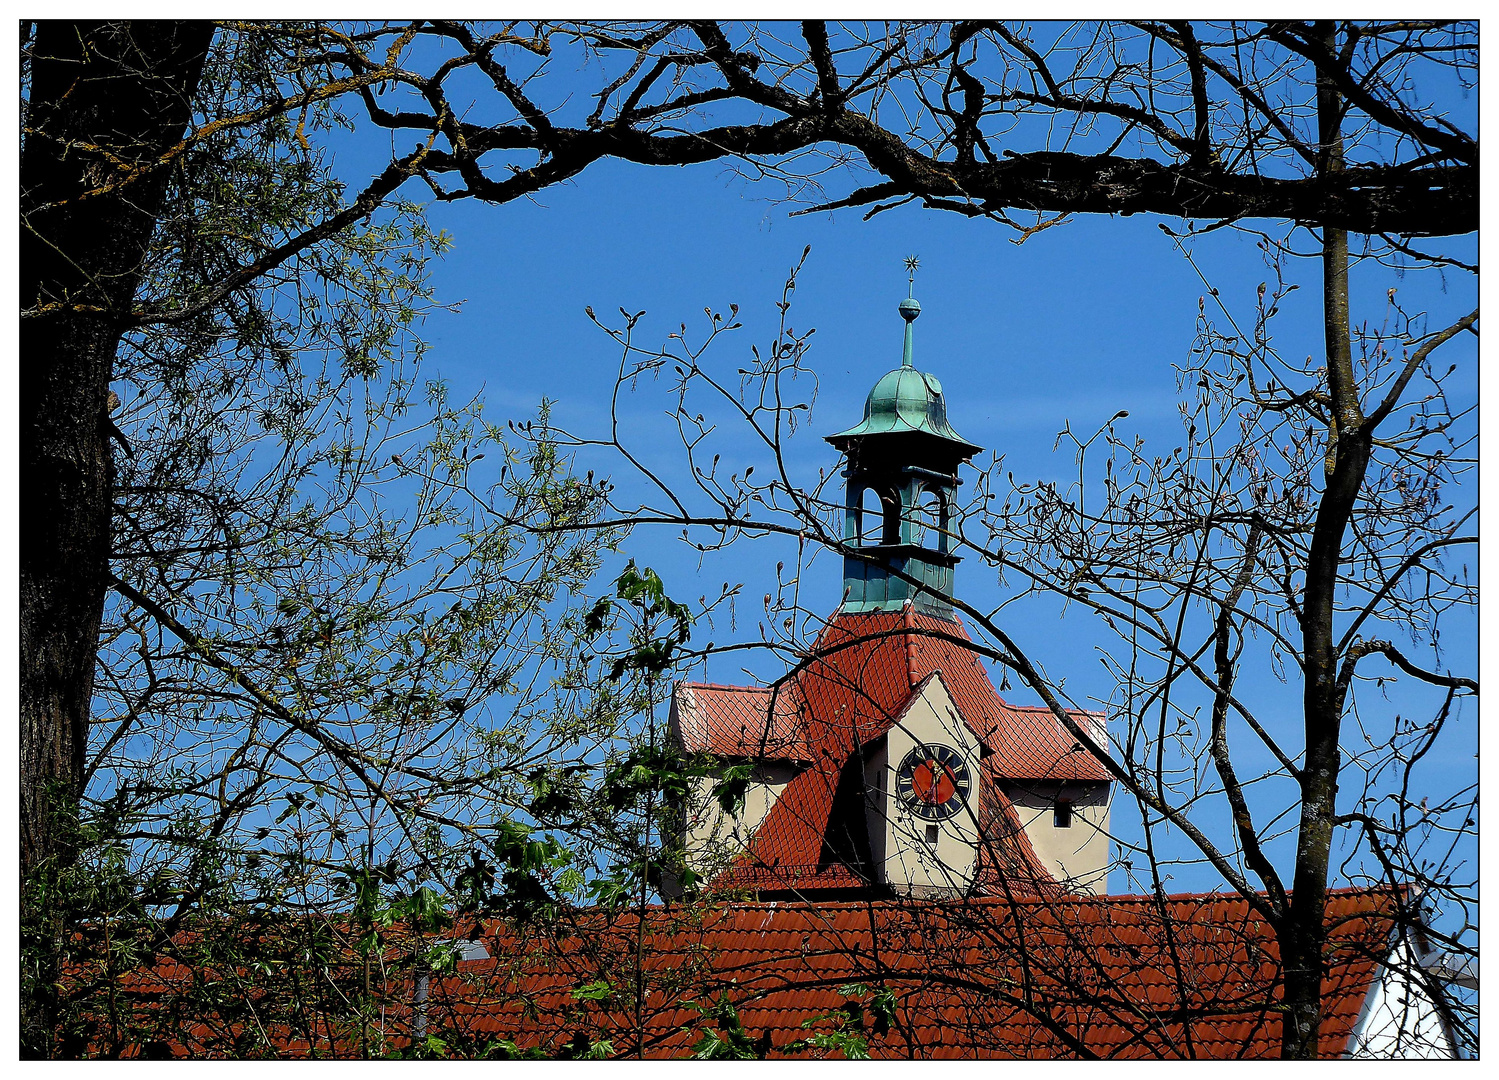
[1039, 978]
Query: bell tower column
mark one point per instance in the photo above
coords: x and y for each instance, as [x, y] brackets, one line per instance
[907, 454]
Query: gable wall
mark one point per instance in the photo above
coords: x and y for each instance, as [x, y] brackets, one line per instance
[1399, 1019]
[1079, 854]
[710, 837]
[911, 864]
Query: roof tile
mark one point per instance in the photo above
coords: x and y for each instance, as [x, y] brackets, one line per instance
[730, 721]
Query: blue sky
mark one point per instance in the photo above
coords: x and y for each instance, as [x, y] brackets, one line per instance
[1080, 321]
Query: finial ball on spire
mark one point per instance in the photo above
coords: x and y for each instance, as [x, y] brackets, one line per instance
[909, 308]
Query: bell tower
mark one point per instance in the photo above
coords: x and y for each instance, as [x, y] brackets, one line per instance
[887, 764]
[902, 478]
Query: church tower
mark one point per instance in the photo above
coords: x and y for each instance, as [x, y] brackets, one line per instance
[886, 763]
[902, 478]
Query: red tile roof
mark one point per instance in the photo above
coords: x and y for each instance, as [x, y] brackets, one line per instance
[1128, 977]
[730, 721]
[790, 839]
[857, 681]
[1030, 743]
[1008, 864]
[1098, 970]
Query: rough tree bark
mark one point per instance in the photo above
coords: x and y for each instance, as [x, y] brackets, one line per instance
[106, 99]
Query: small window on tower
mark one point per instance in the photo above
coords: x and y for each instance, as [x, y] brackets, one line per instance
[1062, 815]
[931, 834]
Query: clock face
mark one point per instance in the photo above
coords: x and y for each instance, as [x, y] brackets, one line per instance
[933, 782]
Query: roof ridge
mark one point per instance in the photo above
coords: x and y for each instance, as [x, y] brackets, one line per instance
[1065, 900]
[724, 686]
[908, 619]
[1047, 709]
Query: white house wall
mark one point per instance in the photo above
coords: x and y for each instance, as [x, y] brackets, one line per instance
[710, 837]
[1399, 1020]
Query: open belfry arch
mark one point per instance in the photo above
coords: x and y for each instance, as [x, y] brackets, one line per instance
[887, 764]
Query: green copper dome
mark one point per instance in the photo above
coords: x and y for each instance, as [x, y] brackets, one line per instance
[905, 400]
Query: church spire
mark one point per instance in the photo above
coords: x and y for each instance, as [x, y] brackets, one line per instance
[902, 475]
[909, 310]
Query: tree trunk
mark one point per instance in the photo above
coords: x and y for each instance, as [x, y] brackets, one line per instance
[106, 99]
[1303, 934]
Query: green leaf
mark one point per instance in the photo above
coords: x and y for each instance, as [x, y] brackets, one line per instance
[598, 990]
[594, 621]
[732, 788]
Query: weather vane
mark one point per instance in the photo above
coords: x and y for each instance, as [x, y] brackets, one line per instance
[912, 265]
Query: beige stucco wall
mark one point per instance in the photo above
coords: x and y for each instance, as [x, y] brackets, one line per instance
[709, 836]
[1078, 854]
[911, 864]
